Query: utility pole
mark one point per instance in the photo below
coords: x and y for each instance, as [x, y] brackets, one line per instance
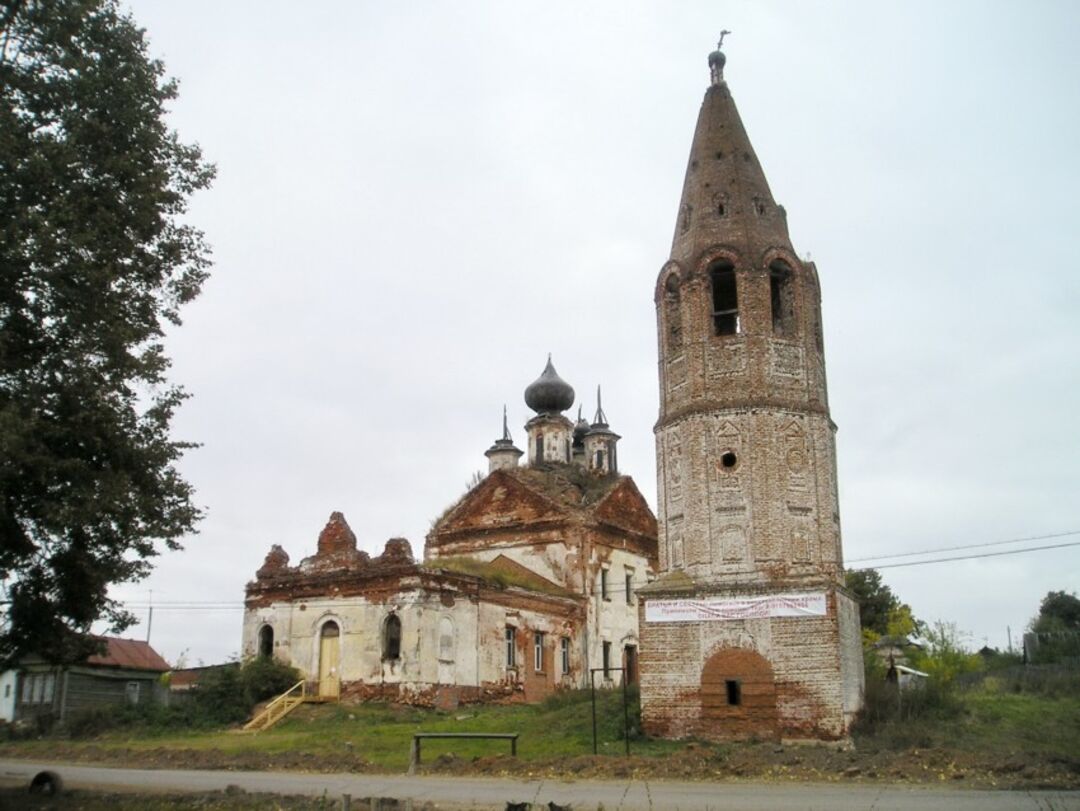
[150, 617]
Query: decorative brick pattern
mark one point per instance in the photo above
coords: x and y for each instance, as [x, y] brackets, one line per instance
[746, 465]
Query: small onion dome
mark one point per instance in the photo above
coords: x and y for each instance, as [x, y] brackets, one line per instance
[581, 427]
[549, 393]
[717, 59]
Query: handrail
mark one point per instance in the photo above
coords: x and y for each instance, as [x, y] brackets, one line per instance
[285, 702]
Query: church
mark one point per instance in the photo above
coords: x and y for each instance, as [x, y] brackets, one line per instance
[728, 606]
[527, 583]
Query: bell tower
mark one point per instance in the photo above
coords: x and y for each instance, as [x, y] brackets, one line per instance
[750, 587]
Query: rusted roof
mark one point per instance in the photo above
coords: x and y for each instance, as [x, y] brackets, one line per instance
[129, 654]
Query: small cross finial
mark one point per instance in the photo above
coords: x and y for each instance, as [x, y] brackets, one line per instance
[720, 44]
[506, 427]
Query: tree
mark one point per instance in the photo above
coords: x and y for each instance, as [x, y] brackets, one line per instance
[877, 602]
[1058, 611]
[1057, 627]
[95, 259]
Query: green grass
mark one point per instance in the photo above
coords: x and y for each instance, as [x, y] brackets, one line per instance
[382, 733]
[991, 721]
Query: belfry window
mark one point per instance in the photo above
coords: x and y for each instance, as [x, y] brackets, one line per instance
[539, 447]
[725, 300]
[781, 296]
[673, 312]
[392, 638]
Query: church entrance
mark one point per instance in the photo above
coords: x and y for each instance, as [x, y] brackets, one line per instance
[738, 696]
[329, 651]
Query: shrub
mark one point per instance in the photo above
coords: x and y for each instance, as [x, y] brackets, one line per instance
[264, 677]
[886, 705]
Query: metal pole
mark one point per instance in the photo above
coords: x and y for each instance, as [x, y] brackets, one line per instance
[625, 714]
[592, 686]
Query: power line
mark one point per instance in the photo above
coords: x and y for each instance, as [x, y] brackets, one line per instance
[973, 557]
[967, 546]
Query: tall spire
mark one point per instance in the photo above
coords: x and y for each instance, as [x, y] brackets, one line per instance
[600, 420]
[503, 453]
[726, 199]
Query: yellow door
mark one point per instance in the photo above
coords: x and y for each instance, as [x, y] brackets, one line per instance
[329, 682]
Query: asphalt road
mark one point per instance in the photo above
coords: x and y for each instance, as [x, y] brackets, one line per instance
[583, 795]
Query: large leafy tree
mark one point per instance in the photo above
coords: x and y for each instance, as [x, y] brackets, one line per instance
[1057, 627]
[95, 260]
[879, 608]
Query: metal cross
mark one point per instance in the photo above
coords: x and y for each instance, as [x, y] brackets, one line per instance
[720, 44]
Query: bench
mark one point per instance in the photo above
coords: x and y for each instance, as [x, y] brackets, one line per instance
[414, 753]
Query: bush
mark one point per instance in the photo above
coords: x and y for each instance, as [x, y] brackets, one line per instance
[265, 677]
[885, 704]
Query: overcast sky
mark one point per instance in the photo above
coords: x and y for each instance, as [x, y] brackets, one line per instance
[416, 202]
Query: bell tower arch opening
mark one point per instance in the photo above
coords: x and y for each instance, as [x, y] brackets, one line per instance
[725, 298]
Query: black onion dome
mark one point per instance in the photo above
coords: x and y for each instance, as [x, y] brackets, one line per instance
[581, 427]
[718, 59]
[549, 393]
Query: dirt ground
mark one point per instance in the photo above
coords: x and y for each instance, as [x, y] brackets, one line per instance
[17, 799]
[757, 762]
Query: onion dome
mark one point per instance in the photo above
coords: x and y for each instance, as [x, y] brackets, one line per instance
[581, 427]
[717, 60]
[549, 393]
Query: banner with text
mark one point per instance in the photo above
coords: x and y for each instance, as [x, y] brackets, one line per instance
[735, 608]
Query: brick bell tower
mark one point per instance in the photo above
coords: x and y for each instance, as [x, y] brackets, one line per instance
[748, 630]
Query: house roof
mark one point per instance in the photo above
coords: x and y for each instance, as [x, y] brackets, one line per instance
[129, 654]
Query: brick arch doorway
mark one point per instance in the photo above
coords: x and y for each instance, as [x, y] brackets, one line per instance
[738, 696]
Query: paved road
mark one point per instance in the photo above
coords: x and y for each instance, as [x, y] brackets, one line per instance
[584, 795]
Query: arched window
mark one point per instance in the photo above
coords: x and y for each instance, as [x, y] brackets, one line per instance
[266, 641]
[725, 300]
[392, 638]
[446, 639]
[539, 447]
[781, 296]
[673, 312]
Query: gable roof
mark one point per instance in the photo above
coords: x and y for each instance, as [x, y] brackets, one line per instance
[551, 492]
[128, 654]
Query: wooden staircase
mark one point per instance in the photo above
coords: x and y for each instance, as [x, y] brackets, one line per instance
[280, 707]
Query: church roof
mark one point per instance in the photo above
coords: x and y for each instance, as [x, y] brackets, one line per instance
[541, 495]
[726, 200]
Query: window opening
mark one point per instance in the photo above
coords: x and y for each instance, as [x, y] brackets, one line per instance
[781, 296]
[392, 637]
[538, 651]
[725, 299]
[539, 447]
[734, 692]
[511, 640]
[564, 649]
[729, 460]
[132, 692]
[607, 660]
[599, 463]
[603, 584]
[266, 642]
[629, 588]
[673, 312]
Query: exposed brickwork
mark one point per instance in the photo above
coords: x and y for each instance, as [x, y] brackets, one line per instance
[746, 464]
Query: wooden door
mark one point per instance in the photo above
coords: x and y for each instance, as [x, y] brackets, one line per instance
[329, 651]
